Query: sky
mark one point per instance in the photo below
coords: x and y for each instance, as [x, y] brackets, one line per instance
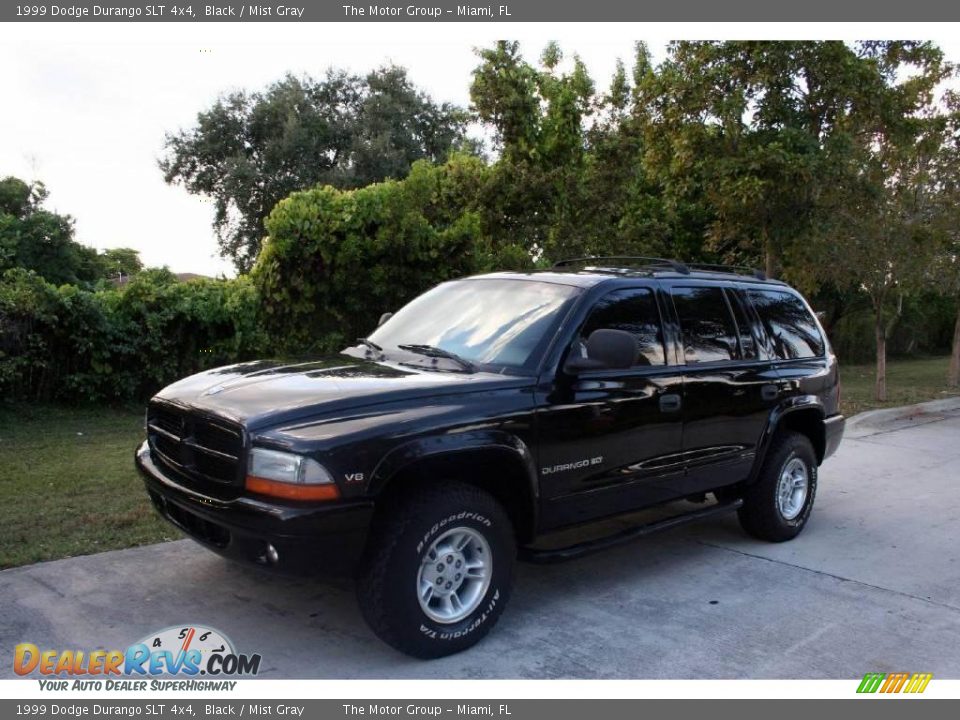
[86, 106]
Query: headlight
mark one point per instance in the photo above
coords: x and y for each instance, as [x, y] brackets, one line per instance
[288, 475]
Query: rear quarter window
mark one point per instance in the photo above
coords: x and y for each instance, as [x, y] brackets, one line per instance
[791, 329]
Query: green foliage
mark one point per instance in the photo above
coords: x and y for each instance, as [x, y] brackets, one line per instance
[832, 165]
[924, 328]
[18, 198]
[337, 259]
[789, 155]
[251, 150]
[123, 344]
[116, 262]
[536, 195]
[827, 163]
[37, 239]
[764, 133]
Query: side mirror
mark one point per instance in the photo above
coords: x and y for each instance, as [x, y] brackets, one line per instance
[383, 318]
[606, 350]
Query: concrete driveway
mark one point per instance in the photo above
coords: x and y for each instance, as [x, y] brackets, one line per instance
[873, 584]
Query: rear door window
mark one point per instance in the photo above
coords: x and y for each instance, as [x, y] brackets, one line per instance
[791, 329]
[633, 310]
[708, 329]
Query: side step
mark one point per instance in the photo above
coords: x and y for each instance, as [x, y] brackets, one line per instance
[591, 546]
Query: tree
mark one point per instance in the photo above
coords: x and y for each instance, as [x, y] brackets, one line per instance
[122, 262]
[533, 198]
[813, 158]
[37, 239]
[885, 238]
[19, 198]
[251, 150]
[637, 206]
[762, 129]
[335, 260]
[947, 267]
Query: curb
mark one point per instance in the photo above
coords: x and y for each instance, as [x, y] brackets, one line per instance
[888, 419]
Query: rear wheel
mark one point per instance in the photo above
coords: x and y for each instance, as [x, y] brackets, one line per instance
[438, 570]
[777, 506]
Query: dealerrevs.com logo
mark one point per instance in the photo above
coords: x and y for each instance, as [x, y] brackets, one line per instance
[186, 651]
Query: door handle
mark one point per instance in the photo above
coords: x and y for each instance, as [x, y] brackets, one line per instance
[670, 402]
[769, 392]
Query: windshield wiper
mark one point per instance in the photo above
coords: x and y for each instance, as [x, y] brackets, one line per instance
[438, 352]
[370, 344]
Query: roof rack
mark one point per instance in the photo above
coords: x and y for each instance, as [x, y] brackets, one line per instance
[758, 274]
[675, 265]
[672, 264]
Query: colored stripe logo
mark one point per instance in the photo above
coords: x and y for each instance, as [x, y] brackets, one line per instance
[894, 682]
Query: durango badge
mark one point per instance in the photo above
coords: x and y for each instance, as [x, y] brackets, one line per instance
[586, 462]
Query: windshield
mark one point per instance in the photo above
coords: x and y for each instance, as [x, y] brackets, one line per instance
[487, 322]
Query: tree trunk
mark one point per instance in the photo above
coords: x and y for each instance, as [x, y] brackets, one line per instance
[953, 374]
[770, 259]
[881, 361]
[883, 332]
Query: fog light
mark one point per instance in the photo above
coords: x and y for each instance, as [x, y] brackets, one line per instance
[270, 556]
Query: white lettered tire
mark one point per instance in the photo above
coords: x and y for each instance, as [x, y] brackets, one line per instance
[438, 569]
[778, 504]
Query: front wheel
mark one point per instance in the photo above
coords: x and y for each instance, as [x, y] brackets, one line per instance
[438, 570]
[778, 504]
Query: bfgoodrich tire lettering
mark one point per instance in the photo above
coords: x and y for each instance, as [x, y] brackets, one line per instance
[765, 513]
[398, 566]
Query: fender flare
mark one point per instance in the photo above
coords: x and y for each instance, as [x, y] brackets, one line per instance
[798, 403]
[404, 456]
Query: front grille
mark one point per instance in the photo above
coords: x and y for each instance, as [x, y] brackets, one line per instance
[197, 447]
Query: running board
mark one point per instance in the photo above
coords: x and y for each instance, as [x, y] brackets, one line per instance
[624, 536]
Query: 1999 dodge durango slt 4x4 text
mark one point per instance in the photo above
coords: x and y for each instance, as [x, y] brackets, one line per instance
[491, 412]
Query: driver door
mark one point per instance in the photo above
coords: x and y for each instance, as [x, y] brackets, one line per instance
[610, 440]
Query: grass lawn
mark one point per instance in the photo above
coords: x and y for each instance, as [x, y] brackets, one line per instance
[908, 382]
[68, 485]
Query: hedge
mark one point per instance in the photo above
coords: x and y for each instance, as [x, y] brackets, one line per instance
[64, 343]
[335, 260]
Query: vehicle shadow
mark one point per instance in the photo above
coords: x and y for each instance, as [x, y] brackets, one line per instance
[558, 622]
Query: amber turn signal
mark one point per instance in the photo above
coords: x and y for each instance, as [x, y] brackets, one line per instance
[291, 491]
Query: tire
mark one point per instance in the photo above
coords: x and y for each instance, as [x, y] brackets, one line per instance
[764, 514]
[394, 572]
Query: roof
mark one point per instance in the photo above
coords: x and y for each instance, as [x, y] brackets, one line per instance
[588, 276]
[583, 279]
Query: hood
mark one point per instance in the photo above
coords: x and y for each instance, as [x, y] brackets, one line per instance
[271, 392]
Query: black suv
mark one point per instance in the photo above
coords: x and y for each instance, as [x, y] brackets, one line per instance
[493, 411]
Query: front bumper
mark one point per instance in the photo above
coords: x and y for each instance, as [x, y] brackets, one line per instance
[305, 538]
[833, 433]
